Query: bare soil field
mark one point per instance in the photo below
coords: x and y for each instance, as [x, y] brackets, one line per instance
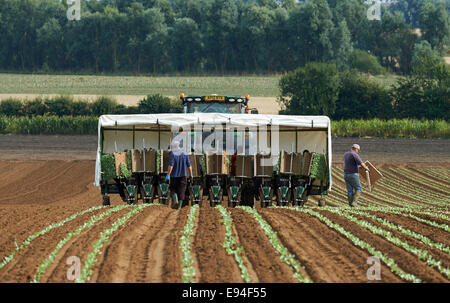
[47, 197]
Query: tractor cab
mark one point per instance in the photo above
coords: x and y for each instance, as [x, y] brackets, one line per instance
[216, 104]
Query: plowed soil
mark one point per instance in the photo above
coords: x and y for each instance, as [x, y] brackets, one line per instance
[35, 194]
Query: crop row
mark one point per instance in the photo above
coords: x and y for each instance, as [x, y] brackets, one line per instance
[391, 182]
[404, 212]
[187, 262]
[360, 243]
[230, 243]
[86, 271]
[285, 255]
[441, 173]
[94, 219]
[42, 232]
[427, 241]
[422, 254]
[416, 197]
[408, 187]
[414, 176]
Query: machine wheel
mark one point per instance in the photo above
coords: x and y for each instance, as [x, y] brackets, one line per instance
[322, 202]
[106, 201]
[304, 198]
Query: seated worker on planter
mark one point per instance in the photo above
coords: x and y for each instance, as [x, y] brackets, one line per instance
[351, 176]
[178, 161]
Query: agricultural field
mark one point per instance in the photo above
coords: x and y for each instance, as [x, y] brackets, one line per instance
[30, 85]
[56, 218]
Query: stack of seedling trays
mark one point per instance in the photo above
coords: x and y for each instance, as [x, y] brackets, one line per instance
[216, 177]
[240, 190]
[289, 171]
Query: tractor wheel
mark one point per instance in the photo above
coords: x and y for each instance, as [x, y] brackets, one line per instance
[106, 201]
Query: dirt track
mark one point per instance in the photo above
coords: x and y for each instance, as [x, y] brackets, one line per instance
[36, 194]
[377, 150]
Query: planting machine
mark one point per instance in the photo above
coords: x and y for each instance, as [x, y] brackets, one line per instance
[133, 155]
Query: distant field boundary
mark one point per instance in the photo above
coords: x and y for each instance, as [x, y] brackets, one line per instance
[87, 125]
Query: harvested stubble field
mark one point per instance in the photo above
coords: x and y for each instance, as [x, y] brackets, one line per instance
[49, 211]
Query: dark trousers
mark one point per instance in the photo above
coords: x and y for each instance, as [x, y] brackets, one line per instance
[178, 186]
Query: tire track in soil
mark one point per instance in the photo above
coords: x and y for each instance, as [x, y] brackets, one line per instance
[264, 259]
[326, 255]
[25, 263]
[79, 246]
[405, 260]
[436, 253]
[135, 254]
[214, 264]
[435, 234]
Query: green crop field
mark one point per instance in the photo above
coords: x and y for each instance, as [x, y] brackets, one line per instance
[261, 86]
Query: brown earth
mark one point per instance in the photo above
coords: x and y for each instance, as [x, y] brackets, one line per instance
[37, 193]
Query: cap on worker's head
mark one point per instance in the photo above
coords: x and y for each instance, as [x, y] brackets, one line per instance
[175, 144]
[356, 146]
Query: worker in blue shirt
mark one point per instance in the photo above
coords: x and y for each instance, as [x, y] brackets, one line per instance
[178, 161]
[351, 163]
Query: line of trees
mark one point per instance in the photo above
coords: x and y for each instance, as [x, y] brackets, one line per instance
[319, 89]
[213, 36]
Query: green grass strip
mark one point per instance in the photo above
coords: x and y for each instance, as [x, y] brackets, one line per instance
[30, 238]
[86, 271]
[360, 243]
[422, 254]
[94, 219]
[285, 255]
[230, 243]
[187, 262]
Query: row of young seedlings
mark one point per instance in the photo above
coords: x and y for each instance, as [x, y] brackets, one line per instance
[442, 174]
[408, 187]
[187, 261]
[399, 187]
[422, 254]
[397, 227]
[92, 220]
[91, 260]
[408, 213]
[390, 263]
[42, 232]
[415, 200]
[285, 255]
[417, 176]
[230, 243]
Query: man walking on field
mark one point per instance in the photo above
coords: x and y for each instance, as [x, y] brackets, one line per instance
[178, 161]
[351, 176]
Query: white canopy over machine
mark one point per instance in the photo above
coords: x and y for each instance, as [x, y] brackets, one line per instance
[117, 133]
